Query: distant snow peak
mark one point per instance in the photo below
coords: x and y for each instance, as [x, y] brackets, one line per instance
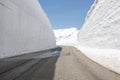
[64, 36]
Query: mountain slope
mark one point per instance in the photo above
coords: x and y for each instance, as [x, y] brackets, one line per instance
[66, 36]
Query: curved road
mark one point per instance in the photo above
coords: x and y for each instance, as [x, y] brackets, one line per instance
[69, 64]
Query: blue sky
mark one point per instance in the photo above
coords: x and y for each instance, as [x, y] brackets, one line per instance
[66, 13]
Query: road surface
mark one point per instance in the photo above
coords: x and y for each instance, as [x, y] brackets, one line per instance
[66, 64]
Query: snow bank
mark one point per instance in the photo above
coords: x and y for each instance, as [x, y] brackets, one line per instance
[24, 28]
[109, 58]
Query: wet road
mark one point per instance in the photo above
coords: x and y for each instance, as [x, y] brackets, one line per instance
[69, 64]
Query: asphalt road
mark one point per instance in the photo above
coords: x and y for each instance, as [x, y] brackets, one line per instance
[67, 63]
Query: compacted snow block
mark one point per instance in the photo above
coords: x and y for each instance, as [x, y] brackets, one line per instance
[102, 25]
[24, 28]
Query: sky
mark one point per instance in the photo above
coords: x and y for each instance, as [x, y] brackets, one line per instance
[66, 13]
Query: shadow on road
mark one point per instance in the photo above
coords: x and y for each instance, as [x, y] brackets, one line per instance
[46, 70]
[39, 69]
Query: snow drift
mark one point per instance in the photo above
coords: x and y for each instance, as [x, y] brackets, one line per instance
[99, 37]
[24, 28]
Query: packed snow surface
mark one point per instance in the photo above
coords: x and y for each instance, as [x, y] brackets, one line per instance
[24, 28]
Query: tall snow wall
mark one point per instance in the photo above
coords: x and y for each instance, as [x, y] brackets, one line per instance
[24, 28]
[102, 26]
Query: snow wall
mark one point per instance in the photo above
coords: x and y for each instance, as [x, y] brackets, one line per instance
[99, 38]
[102, 26]
[24, 28]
